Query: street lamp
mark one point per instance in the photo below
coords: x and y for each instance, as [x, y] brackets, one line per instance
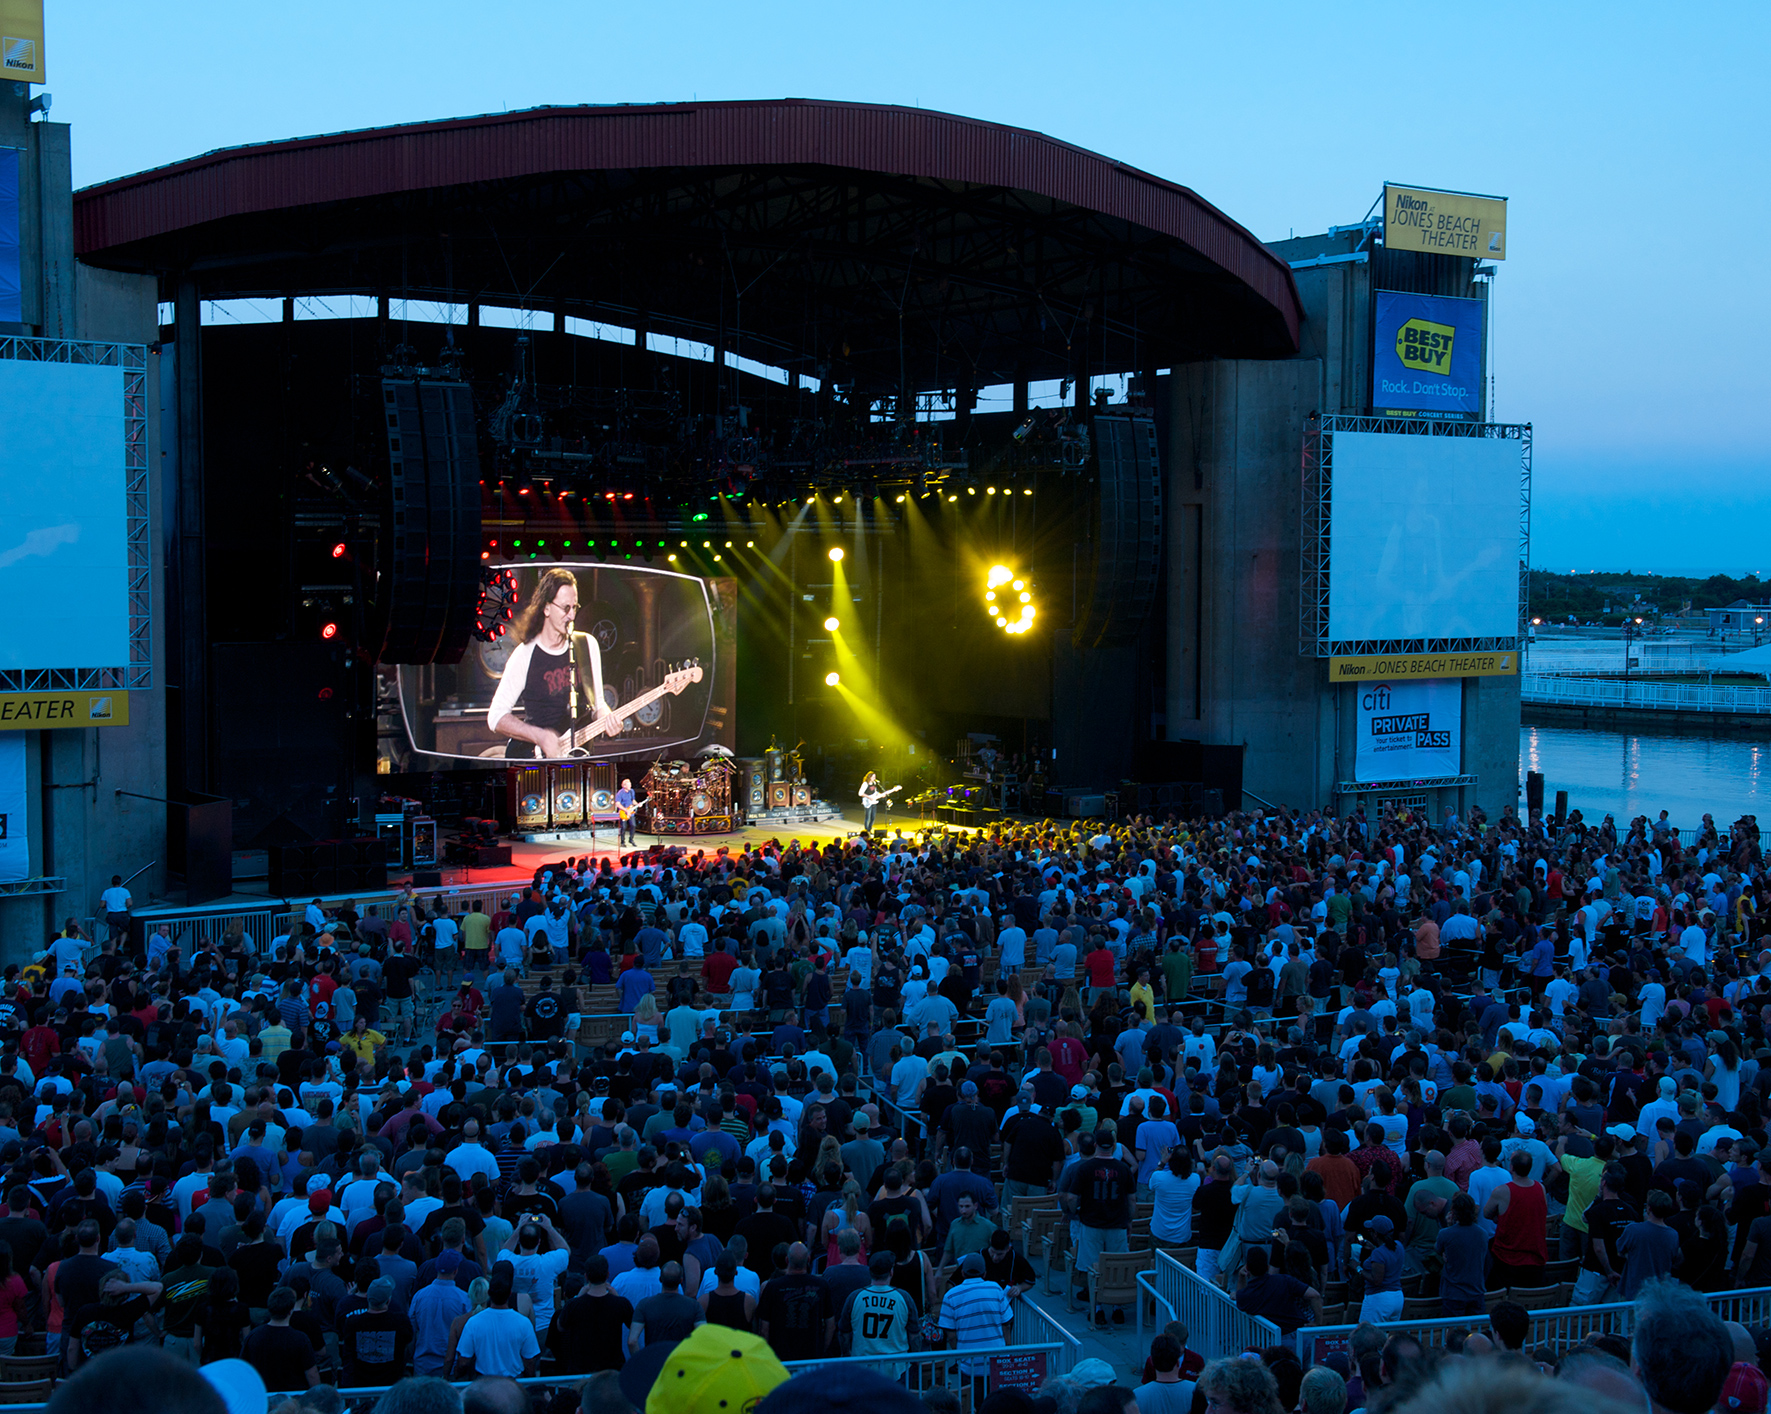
[1758, 626]
[1630, 630]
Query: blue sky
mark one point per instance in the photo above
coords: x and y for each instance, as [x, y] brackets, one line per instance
[1629, 317]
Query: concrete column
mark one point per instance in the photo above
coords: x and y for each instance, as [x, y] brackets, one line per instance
[1235, 675]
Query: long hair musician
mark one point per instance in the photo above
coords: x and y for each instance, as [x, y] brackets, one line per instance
[554, 674]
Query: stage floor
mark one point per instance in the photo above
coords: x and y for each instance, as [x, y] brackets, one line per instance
[526, 858]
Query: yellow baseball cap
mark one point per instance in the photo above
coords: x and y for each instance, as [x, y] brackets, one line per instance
[717, 1370]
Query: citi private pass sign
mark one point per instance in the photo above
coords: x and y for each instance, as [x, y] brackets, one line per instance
[1409, 730]
[1426, 355]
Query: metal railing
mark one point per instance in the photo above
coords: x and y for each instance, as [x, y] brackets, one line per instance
[1650, 696]
[1558, 1330]
[1216, 1325]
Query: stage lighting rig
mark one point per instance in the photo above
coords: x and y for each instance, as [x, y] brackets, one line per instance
[1008, 600]
[497, 604]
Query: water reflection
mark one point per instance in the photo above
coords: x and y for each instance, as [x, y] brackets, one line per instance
[1630, 773]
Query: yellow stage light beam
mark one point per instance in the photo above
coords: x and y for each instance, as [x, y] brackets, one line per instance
[836, 554]
[832, 679]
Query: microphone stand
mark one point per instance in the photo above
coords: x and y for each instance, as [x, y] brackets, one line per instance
[572, 725]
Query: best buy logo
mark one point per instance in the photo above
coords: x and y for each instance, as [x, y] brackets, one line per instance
[1425, 346]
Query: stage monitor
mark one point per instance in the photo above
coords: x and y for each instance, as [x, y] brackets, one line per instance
[65, 531]
[656, 645]
[1424, 538]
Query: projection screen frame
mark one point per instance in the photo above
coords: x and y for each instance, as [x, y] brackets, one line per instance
[1316, 548]
[138, 673]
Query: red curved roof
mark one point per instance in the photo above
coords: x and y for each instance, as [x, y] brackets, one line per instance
[915, 142]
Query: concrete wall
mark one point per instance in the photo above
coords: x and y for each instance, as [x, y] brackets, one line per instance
[80, 828]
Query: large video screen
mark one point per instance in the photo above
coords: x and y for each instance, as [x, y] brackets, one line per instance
[600, 661]
[63, 526]
[1424, 537]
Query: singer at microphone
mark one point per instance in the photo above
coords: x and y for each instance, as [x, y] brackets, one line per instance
[554, 674]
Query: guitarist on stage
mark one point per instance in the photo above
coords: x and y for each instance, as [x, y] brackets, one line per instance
[626, 808]
[870, 798]
[540, 673]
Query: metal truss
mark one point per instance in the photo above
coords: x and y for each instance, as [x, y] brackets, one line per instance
[138, 672]
[43, 884]
[1376, 787]
[1315, 549]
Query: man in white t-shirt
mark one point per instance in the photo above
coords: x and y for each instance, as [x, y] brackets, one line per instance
[115, 901]
[540, 1258]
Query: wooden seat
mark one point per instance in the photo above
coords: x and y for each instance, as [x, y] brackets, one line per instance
[36, 1343]
[1566, 1270]
[1332, 1315]
[1419, 1308]
[1334, 1293]
[1037, 1225]
[25, 1392]
[15, 1369]
[1138, 1237]
[1114, 1282]
[1536, 1298]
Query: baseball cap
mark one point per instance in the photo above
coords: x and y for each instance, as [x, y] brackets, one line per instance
[1092, 1372]
[1524, 1124]
[714, 1368]
[1625, 1132]
[381, 1289]
[1077, 1092]
[319, 1202]
[1744, 1389]
[971, 1265]
[839, 1387]
[240, 1385]
[1381, 1225]
[449, 1262]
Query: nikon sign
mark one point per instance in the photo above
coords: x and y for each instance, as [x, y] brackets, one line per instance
[1427, 356]
[1445, 222]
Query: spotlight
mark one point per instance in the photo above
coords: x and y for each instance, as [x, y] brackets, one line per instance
[989, 490]
[999, 574]
[750, 544]
[953, 498]
[1027, 492]
[836, 554]
[832, 679]
[340, 550]
[328, 630]
[671, 558]
[900, 498]
[832, 624]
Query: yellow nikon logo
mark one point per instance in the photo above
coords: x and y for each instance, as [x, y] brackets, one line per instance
[1425, 346]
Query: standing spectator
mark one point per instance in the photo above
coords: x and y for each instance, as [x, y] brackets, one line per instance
[283, 1357]
[1520, 1213]
[796, 1314]
[976, 1315]
[1649, 1248]
[497, 1340]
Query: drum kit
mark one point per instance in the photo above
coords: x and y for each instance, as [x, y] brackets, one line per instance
[690, 797]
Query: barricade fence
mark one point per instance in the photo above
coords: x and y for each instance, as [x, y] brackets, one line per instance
[1556, 1330]
[1216, 1325]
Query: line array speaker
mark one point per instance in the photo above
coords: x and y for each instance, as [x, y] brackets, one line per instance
[1128, 547]
[435, 563]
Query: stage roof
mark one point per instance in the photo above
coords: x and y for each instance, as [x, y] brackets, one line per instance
[890, 246]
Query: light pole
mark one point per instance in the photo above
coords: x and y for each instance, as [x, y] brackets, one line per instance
[1630, 626]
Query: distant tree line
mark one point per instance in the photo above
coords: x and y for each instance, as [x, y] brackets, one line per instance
[1555, 596]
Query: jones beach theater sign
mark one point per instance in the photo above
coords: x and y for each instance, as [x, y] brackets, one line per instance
[1445, 222]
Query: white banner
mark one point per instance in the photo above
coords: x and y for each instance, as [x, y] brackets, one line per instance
[1409, 731]
[15, 823]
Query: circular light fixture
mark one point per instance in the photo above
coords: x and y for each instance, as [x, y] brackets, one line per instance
[836, 554]
[832, 624]
[832, 679]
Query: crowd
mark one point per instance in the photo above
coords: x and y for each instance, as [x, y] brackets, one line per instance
[1344, 1063]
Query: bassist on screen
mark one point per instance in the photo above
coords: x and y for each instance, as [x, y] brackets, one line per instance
[538, 674]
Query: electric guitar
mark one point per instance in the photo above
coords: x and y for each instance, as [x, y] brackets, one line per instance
[574, 743]
[627, 812]
[873, 797]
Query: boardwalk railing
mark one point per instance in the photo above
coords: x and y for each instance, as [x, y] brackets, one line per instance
[1651, 696]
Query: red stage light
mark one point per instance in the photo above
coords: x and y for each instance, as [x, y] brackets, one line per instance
[328, 630]
[339, 550]
[627, 495]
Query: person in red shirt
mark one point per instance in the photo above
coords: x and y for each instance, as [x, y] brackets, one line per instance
[1102, 969]
[38, 1045]
[717, 970]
